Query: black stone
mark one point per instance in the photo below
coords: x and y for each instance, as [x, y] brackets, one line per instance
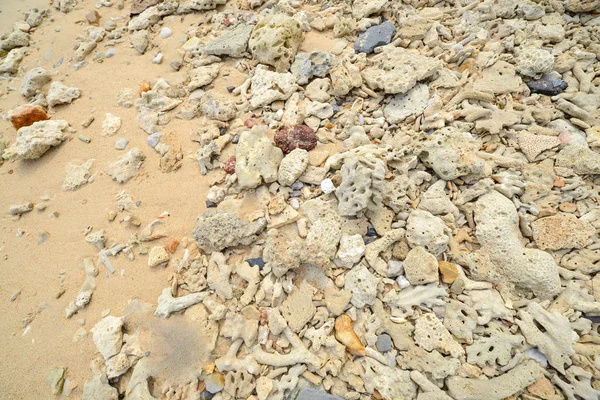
[372, 232]
[548, 88]
[375, 36]
[210, 204]
[235, 139]
[256, 261]
[230, 88]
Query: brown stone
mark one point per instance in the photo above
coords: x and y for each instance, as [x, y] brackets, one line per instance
[448, 270]
[172, 245]
[26, 115]
[230, 165]
[542, 388]
[563, 231]
[296, 137]
[144, 87]
[93, 18]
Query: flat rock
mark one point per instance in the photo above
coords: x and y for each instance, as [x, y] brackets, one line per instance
[61, 94]
[298, 308]
[26, 115]
[315, 394]
[232, 43]
[375, 36]
[384, 342]
[563, 231]
[420, 266]
[124, 168]
[402, 106]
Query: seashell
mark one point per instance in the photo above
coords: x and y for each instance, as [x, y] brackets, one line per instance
[346, 335]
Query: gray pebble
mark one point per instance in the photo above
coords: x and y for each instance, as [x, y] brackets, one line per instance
[110, 53]
[309, 393]
[384, 342]
[375, 36]
[153, 139]
[121, 143]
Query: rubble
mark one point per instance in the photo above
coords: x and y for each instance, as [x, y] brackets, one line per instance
[35, 140]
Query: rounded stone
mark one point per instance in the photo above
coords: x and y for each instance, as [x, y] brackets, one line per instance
[384, 343]
[165, 33]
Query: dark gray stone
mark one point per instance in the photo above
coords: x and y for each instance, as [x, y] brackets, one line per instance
[375, 36]
[309, 65]
[384, 343]
[233, 43]
[314, 394]
[547, 87]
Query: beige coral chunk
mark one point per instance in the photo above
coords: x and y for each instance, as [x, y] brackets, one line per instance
[420, 266]
[298, 308]
[431, 334]
[533, 145]
[345, 334]
[77, 175]
[158, 255]
[563, 231]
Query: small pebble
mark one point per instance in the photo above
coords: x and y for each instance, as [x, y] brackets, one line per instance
[295, 203]
[15, 295]
[297, 185]
[210, 204]
[84, 139]
[158, 59]
[153, 139]
[371, 232]
[110, 53]
[235, 139]
[384, 342]
[230, 88]
[165, 33]
[121, 143]
[327, 186]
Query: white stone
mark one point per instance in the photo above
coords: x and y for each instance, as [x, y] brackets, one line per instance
[351, 250]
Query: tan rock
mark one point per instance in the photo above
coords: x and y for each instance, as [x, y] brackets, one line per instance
[448, 270]
[562, 231]
[420, 266]
[542, 388]
[158, 255]
[298, 308]
[533, 145]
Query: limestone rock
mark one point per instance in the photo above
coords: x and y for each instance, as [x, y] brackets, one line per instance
[268, 86]
[216, 106]
[108, 336]
[375, 36]
[26, 115]
[430, 334]
[61, 94]
[452, 154]
[232, 43]
[140, 40]
[124, 168]
[581, 160]
[345, 77]
[363, 285]
[275, 40]
[216, 230]
[397, 70]
[580, 6]
[362, 185]
[16, 39]
[425, 229]
[77, 175]
[292, 166]
[533, 61]
[35, 140]
[351, 250]
[563, 231]
[111, 125]
[33, 81]
[158, 256]
[12, 60]
[420, 266]
[203, 76]
[257, 159]
[298, 309]
[500, 78]
[402, 106]
[308, 65]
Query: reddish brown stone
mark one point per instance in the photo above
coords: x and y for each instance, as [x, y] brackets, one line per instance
[250, 122]
[144, 87]
[230, 165]
[296, 137]
[93, 18]
[26, 115]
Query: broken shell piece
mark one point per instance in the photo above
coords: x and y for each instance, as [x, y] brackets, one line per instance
[346, 335]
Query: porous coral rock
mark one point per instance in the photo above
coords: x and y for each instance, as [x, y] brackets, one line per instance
[61, 94]
[345, 77]
[426, 230]
[498, 388]
[216, 230]
[362, 184]
[308, 65]
[430, 334]
[420, 266]
[499, 236]
[275, 40]
[498, 79]
[124, 168]
[268, 86]
[452, 153]
[35, 140]
[551, 332]
[12, 60]
[111, 125]
[391, 383]
[496, 349]
[581, 160]
[108, 336]
[533, 61]
[292, 166]
[397, 70]
[431, 363]
[460, 319]
[533, 145]
[422, 296]
[257, 159]
[203, 76]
